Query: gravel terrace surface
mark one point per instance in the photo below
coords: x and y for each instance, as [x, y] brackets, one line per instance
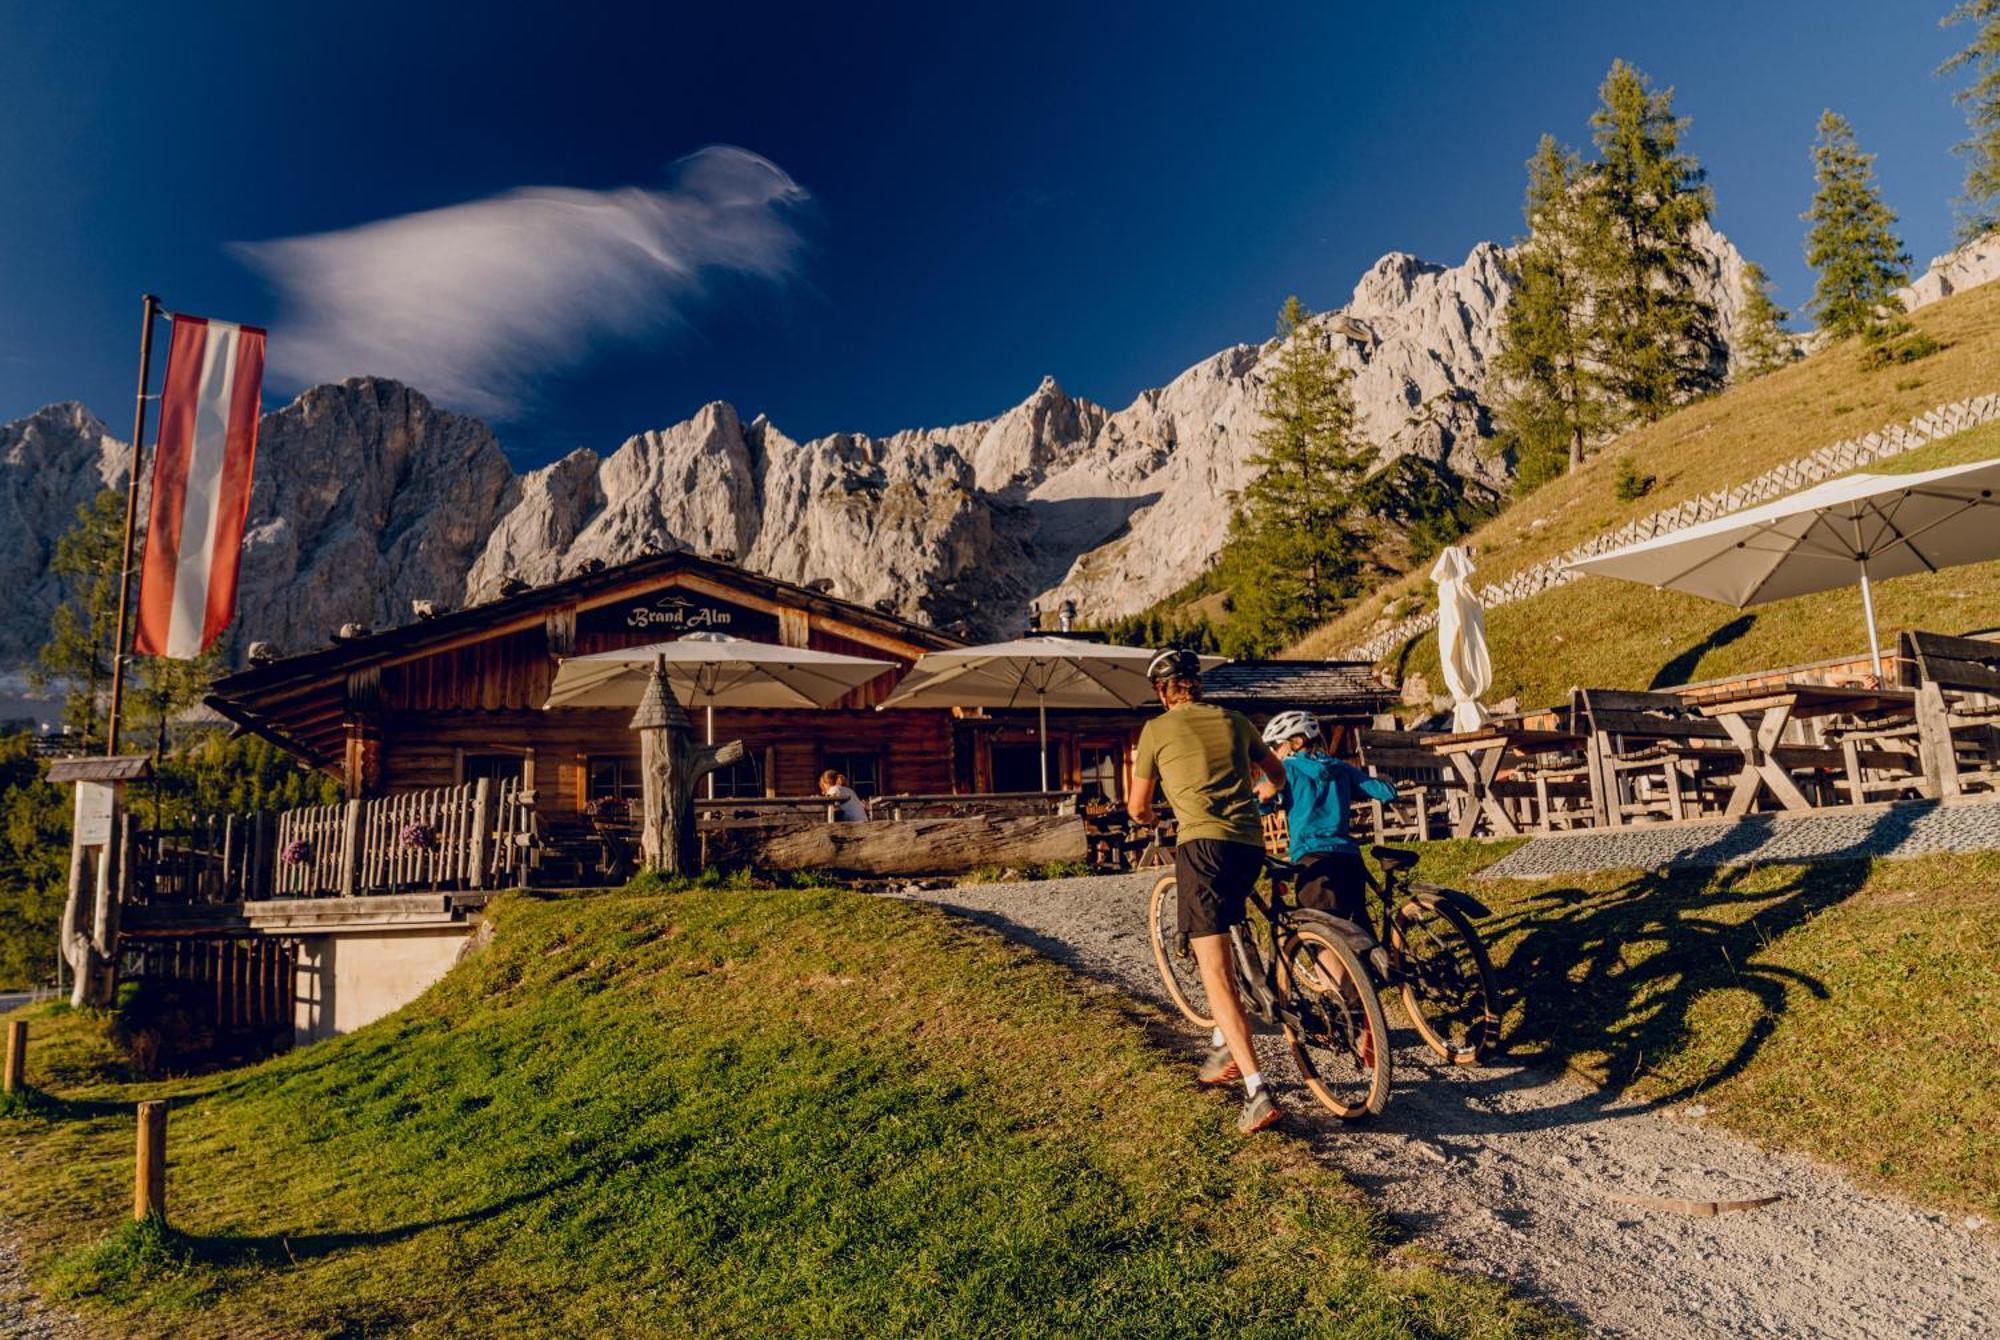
[1906, 828]
[1512, 1170]
[23, 1316]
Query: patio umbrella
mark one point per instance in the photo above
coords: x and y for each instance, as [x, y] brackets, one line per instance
[1864, 527]
[1049, 671]
[1468, 669]
[711, 670]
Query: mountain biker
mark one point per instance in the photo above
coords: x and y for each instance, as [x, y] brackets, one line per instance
[1202, 756]
[1317, 790]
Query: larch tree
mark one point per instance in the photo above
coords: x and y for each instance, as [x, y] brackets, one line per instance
[1979, 206]
[78, 653]
[1656, 338]
[1851, 242]
[1293, 550]
[1761, 342]
[1550, 406]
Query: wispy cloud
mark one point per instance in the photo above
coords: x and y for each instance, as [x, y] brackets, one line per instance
[472, 302]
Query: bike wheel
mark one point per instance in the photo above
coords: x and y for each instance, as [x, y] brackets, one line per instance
[1341, 1043]
[1175, 959]
[1447, 980]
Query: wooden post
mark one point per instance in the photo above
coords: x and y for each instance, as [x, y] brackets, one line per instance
[350, 850]
[1940, 756]
[671, 765]
[149, 1173]
[17, 1056]
[482, 834]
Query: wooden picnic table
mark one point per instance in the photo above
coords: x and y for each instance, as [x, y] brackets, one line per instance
[1476, 754]
[1755, 717]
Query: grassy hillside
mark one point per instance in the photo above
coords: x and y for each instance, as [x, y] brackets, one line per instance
[803, 1112]
[1615, 634]
[1847, 1010]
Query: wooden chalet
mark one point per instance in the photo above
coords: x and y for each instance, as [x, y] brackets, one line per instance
[459, 696]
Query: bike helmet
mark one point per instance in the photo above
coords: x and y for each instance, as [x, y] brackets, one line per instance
[1174, 663]
[1287, 724]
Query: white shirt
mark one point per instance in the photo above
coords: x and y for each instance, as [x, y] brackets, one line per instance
[849, 809]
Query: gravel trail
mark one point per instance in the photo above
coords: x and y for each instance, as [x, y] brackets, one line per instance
[23, 1315]
[1514, 1170]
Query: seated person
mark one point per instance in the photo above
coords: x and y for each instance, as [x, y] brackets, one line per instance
[1318, 790]
[848, 808]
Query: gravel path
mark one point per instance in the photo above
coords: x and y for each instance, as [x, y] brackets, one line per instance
[23, 1316]
[1512, 1170]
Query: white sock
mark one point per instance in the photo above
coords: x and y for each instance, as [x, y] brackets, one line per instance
[1253, 1082]
[1215, 1038]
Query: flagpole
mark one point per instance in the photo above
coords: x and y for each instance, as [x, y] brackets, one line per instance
[152, 309]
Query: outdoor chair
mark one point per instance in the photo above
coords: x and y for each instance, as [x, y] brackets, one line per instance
[1958, 710]
[1422, 807]
[1650, 756]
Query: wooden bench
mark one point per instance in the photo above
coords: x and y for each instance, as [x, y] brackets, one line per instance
[1958, 710]
[1422, 807]
[1649, 756]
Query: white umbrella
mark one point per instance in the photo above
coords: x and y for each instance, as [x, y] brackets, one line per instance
[1468, 669]
[711, 670]
[1050, 671]
[1865, 527]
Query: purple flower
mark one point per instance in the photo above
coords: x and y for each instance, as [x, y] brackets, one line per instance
[418, 837]
[297, 852]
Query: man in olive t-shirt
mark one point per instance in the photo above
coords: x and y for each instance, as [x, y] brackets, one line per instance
[1202, 757]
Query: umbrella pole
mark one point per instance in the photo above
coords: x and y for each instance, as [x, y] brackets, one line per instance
[710, 721]
[1868, 612]
[1042, 734]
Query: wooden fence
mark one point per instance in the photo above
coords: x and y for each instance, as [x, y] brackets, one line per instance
[479, 835]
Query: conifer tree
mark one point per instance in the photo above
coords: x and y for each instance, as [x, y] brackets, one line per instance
[1550, 408]
[1655, 337]
[78, 654]
[1761, 341]
[1979, 206]
[1293, 553]
[1852, 242]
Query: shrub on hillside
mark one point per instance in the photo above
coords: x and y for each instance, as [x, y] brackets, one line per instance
[1629, 484]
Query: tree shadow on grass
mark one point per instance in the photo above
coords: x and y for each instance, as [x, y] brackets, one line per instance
[1681, 668]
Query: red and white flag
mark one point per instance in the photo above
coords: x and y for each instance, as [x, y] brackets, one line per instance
[201, 485]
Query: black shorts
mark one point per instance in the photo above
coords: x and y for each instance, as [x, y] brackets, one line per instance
[1214, 879]
[1334, 882]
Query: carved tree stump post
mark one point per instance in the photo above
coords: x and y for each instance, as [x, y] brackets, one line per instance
[671, 765]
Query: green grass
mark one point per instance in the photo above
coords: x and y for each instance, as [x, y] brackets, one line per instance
[1849, 1010]
[1718, 442]
[713, 1112]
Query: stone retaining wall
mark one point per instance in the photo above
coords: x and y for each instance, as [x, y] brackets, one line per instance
[1793, 475]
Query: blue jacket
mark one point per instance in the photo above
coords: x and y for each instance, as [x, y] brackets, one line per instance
[1318, 790]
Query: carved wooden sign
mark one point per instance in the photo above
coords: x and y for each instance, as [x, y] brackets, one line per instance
[663, 615]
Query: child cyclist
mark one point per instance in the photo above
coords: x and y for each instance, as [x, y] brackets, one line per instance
[1318, 790]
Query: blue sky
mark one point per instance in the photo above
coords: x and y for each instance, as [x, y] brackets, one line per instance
[968, 197]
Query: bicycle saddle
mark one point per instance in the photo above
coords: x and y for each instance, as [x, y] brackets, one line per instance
[1280, 868]
[1393, 858]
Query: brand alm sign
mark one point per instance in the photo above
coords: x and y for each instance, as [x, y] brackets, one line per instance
[669, 613]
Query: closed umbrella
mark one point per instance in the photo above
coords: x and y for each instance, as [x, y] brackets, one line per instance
[1862, 528]
[1468, 669]
[1049, 671]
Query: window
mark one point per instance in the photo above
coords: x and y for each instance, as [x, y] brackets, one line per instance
[1017, 768]
[741, 780]
[613, 779]
[1103, 773]
[493, 767]
[862, 769]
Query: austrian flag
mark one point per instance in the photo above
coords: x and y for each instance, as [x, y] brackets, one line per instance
[201, 485]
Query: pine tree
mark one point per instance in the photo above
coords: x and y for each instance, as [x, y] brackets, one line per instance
[1852, 242]
[1550, 408]
[1979, 207]
[1293, 554]
[1761, 342]
[78, 653]
[1654, 335]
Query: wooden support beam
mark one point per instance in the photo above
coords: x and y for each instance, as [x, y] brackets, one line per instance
[17, 1056]
[149, 1172]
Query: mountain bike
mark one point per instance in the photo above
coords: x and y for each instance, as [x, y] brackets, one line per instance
[1300, 975]
[1428, 949]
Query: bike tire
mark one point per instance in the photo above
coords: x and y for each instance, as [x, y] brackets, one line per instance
[1174, 959]
[1447, 980]
[1343, 1052]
